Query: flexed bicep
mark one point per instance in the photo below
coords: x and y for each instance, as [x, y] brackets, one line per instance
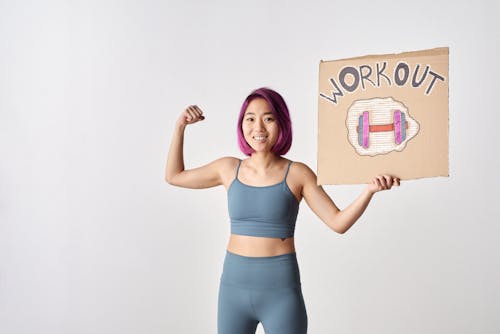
[206, 176]
[209, 175]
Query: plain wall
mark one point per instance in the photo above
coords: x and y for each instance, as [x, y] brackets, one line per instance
[92, 239]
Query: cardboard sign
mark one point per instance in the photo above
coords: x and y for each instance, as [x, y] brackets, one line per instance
[383, 114]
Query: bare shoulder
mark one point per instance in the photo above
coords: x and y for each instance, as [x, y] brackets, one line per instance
[300, 177]
[226, 164]
[227, 169]
[302, 172]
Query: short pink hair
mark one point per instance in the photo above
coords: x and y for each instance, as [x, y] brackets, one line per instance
[280, 112]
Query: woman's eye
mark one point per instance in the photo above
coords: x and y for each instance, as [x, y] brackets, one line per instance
[250, 119]
[269, 119]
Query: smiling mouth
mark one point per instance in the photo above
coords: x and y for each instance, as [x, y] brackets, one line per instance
[260, 138]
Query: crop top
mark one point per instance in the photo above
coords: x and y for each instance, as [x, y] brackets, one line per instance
[267, 211]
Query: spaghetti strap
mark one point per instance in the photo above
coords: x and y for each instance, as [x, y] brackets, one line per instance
[287, 169]
[237, 168]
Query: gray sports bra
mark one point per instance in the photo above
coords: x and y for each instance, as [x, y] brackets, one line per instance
[268, 211]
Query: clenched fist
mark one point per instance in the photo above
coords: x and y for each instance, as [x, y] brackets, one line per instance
[190, 115]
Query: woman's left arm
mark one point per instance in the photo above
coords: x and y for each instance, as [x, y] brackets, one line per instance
[322, 205]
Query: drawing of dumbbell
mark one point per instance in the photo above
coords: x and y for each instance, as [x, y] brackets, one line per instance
[364, 128]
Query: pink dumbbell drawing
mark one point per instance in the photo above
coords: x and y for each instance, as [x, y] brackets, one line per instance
[364, 128]
[392, 126]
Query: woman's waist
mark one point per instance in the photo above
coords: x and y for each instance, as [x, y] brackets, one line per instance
[260, 246]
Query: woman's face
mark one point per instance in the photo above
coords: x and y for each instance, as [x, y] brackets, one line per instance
[259, 126]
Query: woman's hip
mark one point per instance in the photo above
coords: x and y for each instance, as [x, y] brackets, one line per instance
[270, 272]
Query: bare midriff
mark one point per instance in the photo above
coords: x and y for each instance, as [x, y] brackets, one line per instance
[259, 246]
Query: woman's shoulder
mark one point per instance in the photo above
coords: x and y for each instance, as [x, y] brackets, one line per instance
[227, 160]
[301, 170]
[227, 163]
[298, 165]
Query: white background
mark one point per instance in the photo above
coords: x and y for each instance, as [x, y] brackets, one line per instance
[92, 240]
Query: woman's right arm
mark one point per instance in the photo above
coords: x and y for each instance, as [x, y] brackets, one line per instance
[202, 177]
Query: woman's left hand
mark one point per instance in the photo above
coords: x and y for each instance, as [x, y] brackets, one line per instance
[382, 182]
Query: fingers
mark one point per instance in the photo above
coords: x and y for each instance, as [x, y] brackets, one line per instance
[385, 182]
[382, 181]
[388, 181]
[396, 181]
[193, 114]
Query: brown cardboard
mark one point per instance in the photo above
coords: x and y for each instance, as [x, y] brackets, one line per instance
[379, 114]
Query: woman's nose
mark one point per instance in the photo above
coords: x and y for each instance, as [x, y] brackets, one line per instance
[259, 124]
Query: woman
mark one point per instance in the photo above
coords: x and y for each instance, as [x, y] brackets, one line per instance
[260, 280]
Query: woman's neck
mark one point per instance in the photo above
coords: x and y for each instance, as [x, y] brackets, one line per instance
[263, 160]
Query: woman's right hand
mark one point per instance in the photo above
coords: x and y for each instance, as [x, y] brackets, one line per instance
[190, 115]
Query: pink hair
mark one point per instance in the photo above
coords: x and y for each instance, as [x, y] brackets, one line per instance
[280, 112]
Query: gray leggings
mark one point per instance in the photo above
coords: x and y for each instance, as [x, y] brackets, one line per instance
[261, 289]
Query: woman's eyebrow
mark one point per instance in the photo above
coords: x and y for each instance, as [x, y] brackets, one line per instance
[266, 113]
